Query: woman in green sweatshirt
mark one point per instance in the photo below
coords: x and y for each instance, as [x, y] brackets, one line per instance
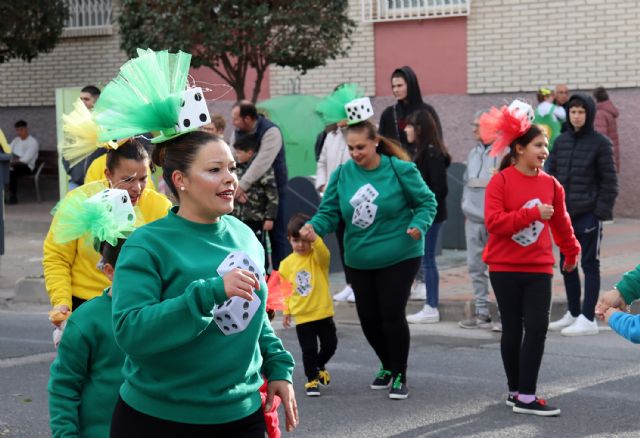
[387, 209]
[186, 372]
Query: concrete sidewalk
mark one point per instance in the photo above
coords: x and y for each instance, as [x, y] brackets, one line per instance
[26, 226]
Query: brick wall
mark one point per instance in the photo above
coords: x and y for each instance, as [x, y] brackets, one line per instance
[76, 61]
[516, 45]
[358, 66]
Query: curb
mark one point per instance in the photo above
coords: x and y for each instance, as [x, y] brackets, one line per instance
[31, 290]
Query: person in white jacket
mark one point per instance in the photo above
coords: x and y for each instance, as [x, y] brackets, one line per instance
[334, 153]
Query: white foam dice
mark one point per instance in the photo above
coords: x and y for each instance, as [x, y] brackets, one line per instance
[118, 203]
[364, 215]
[366, 193]
[194, 112]
[518, 106]
[530, 234]
[303, 281]
[235, 314]
[240, 260]
[358, 110]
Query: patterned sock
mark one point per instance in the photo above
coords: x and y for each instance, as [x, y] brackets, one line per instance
[526, 398]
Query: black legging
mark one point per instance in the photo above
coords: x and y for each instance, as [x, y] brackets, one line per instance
[381, 298]
[127, 422]
[524, 300]
[309, 333]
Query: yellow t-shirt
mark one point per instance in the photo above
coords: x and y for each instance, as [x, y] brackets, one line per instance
[309, 274]
[95, 172]
[70, 268]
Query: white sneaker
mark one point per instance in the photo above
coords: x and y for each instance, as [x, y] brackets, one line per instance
[563, 322]
[344, 294]
[427, 315]
[581, 327]
[418, 291]
[352, 297]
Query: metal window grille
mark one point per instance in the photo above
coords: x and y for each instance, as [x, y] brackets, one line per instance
[396, 10]
[85, 14]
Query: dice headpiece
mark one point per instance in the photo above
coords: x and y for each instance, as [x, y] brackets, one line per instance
[501, 126]
[346, 103]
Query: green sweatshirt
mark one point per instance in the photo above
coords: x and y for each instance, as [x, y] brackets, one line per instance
[179, 365]
[86, 374]
[629, 285]
[404, 201]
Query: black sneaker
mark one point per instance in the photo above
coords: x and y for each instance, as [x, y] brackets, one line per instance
[536, 407]
[382, 380]
[399, 389]
[313, 388]
[324, 377]
[511, 400]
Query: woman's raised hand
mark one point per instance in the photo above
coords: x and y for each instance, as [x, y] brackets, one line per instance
[240, 283]
[308, 233]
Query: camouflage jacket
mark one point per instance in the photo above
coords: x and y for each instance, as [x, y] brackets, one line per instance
[263, 197]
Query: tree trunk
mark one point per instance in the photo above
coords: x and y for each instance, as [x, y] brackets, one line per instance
[258, 85]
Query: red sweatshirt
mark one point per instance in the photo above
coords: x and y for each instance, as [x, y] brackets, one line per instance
[506, 215]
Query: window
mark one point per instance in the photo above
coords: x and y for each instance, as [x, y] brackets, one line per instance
[394, 10]
[88, 17]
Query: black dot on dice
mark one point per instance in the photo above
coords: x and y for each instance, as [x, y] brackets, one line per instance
[245, 315]
[362, 106]
[228, 303]
[218, 318]
[251, 269]
[203, 117]
[124, 199]
[198, 97]
[227, 316]
[245, 306]
[245, 261]
[181, 102]
[368, 110]
[350, 117]
[234, 326]
[226, 328]
[186, 123]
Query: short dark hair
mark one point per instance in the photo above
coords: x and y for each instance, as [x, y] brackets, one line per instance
[295, 223]
[600, 94]
[132, 149]
[92, 90]
[576, 102]
[20, 124]
[247, 143]
[110, 253]
[247, 109]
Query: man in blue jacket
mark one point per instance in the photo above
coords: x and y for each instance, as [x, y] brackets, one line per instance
[582, 161]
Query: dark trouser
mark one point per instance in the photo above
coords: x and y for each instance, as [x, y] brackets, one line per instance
[17, 171]
[340, 238]
[524, 300]
[128, 422]
[588, 229]
[76, 302]
[256, 227]
[381, 298]
[278, 235]
[308, 335]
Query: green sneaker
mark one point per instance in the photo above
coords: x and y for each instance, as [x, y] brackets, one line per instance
[398, 390]
[382, 380]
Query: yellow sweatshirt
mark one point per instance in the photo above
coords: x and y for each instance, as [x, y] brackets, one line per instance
[95, 172]
[70, 268]
[309, 274]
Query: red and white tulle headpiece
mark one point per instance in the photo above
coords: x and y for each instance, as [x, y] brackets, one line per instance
[499, 127]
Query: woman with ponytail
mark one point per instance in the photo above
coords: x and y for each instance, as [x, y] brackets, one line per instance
[387, 209]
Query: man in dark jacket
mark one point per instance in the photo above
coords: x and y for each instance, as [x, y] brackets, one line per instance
[582, 160]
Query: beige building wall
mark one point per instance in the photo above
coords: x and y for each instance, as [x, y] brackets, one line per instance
[520, 45]
[358, 66]
[77, 60]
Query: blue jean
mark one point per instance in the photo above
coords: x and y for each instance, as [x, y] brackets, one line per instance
[431, 275]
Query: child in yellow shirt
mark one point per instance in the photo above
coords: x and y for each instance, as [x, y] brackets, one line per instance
[310, 304]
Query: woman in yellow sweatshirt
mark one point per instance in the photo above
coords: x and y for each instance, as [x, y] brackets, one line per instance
[70, 272]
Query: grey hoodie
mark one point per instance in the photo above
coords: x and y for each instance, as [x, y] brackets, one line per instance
[480, 169]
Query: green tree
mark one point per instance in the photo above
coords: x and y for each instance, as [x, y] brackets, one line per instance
[230, 36]
[30, 27]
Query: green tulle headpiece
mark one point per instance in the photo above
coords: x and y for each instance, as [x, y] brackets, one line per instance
[146, 96]
[332, 108]
[103, 215]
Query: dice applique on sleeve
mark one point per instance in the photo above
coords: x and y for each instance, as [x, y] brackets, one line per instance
[530, 234]
[235, 314]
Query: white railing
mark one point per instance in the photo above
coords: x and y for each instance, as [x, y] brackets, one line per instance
[85, 14]
[396, 10]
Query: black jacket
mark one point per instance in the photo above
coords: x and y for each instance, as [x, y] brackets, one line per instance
[433, 168]
[582, 162]
[394, 117]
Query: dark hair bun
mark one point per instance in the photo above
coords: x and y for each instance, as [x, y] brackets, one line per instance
[159, 153]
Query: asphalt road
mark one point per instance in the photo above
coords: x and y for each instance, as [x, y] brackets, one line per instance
[455, 376]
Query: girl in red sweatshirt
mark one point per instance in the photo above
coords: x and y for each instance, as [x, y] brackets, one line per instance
[524, 206]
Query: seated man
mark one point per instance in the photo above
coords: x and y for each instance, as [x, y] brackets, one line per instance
[24, 153]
